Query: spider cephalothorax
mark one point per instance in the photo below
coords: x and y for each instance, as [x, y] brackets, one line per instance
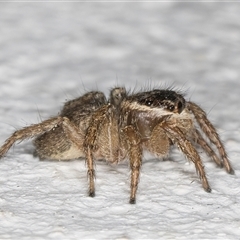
[124, 126]
[163, 99]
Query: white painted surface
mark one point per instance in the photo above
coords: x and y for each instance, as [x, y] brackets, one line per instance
[53, 52]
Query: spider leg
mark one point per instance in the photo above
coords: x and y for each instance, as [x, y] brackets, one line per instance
[96, 121]
[187, 148]
[91, 171]
[135, 157]
[30, 132]
[72, 132]
[211, 133]
[206, 147]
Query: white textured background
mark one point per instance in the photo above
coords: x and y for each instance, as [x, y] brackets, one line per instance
[53, 52]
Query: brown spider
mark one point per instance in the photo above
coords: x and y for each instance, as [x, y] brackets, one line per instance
[123, 127]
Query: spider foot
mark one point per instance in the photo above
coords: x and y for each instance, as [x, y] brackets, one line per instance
[91, 194]
[132, 200]
[208, 189]
[231, 171]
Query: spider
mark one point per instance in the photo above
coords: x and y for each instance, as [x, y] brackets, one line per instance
[122, 127]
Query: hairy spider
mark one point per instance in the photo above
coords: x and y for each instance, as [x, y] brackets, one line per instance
[94, 128]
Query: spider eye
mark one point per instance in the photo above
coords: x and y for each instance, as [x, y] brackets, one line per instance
[171, 108]
[180, 105]
[149, 102]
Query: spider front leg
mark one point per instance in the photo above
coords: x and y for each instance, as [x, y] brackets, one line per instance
[30, 132]
[211, 133]
[205, 146]
[187, 148]
[135, 157]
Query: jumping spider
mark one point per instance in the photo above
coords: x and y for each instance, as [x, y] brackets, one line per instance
[94, 128]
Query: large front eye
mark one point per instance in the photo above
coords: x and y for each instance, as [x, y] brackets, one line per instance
[180, 105]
